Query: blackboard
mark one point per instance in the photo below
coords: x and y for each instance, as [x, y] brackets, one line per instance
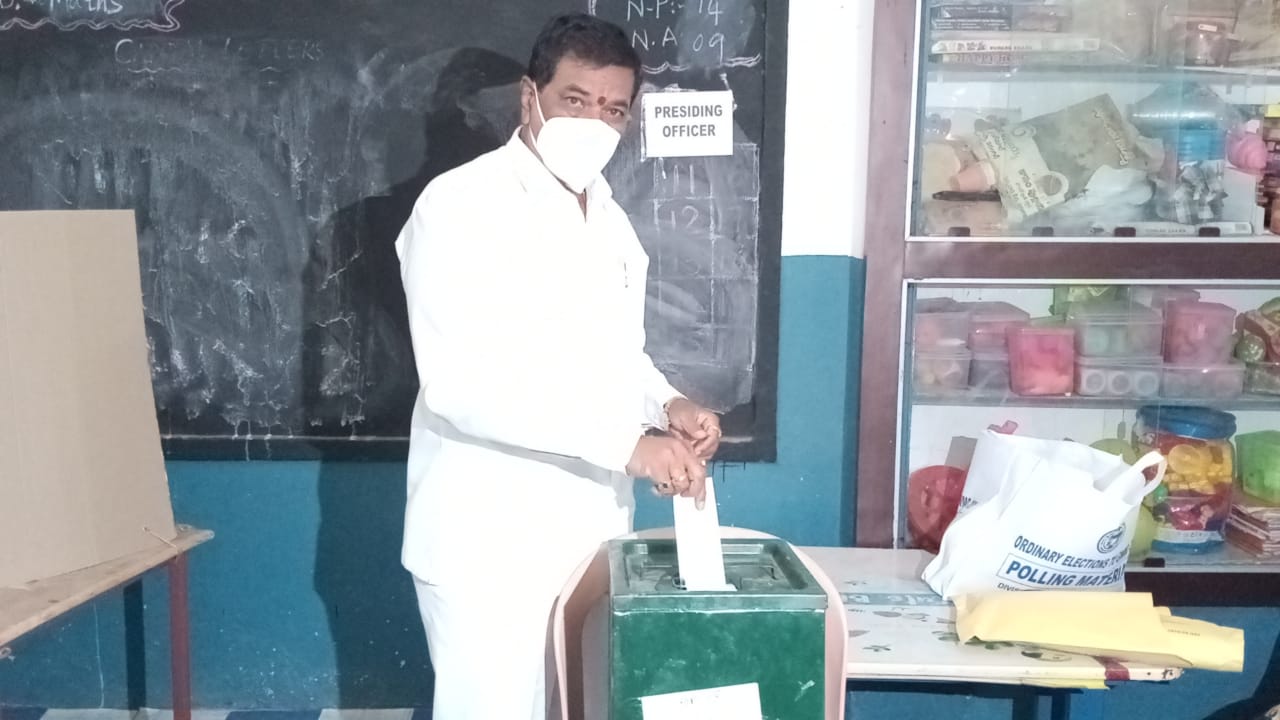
[272, 150]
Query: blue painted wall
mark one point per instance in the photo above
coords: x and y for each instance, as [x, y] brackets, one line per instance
[300, 601]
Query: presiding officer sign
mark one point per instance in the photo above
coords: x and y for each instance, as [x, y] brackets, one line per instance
[688, 124]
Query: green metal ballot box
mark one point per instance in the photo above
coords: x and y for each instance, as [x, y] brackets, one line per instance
[769, 631]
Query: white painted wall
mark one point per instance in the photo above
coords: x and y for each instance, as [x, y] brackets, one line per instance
[827, 127]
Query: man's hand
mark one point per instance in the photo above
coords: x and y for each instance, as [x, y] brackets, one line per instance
[672, 466]
[695, 425]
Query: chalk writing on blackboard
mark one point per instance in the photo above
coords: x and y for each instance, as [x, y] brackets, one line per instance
[682, 35]
[96, 14]
[193, 56]
[272, 157]
[703, 237]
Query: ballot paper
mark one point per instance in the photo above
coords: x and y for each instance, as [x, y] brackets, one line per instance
[698, 550]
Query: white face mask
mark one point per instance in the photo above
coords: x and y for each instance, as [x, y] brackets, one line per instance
[574, 149]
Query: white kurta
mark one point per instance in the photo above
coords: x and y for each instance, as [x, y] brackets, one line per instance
[528, 334]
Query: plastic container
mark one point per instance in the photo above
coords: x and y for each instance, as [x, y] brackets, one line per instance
[990, 371]
[1189, 189]
[990, 321]
[1157, 297]
[940, 323]
[1066, 295]
[1116, 329]
[1199, 333]
[1118, 377]
[1262, 377]
[1191, 506]
[941, 370]
[1260, 464]
[1202, 382]
[1198, 33]
[1042, 358]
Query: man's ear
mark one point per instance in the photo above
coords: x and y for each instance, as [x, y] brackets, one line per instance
[527, 89]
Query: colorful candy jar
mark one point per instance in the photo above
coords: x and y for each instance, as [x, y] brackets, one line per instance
[1191, 506]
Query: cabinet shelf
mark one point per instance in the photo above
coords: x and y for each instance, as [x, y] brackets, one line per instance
[1206, 240]
[1206, 259]
[1042, 72]
[987, 398]
[1225, 577]
[1040, 86]
[1227, 559]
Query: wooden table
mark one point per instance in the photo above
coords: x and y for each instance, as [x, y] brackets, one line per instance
[25, 608]
[900, 630]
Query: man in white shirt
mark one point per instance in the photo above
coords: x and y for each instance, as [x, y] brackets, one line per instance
[525, 285]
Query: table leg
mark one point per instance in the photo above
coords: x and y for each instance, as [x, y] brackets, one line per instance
[1060, 705]
[179, 637]
[1079, 705]
[135, 642]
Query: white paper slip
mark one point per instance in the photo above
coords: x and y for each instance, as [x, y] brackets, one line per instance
[687, 124]
[732, 702]
[698, 550]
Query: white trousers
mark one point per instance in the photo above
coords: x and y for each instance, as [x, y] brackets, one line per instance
[489, 646]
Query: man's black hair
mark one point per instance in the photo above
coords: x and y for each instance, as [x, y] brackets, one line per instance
[595, 42]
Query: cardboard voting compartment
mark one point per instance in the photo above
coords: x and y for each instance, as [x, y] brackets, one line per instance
[82, 478]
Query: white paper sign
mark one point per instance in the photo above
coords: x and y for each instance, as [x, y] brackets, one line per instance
[687, 124]
[733, 702]
[698, 550]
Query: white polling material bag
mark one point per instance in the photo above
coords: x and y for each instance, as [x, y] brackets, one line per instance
[1040, 515]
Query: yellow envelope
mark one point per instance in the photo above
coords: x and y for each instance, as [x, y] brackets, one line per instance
[1081, 684]
[1204, 644]
[1125, 626]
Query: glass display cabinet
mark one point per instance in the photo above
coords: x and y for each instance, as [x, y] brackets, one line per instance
[1074, 234]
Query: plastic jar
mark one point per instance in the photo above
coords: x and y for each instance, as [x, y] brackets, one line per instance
[1192, 504]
